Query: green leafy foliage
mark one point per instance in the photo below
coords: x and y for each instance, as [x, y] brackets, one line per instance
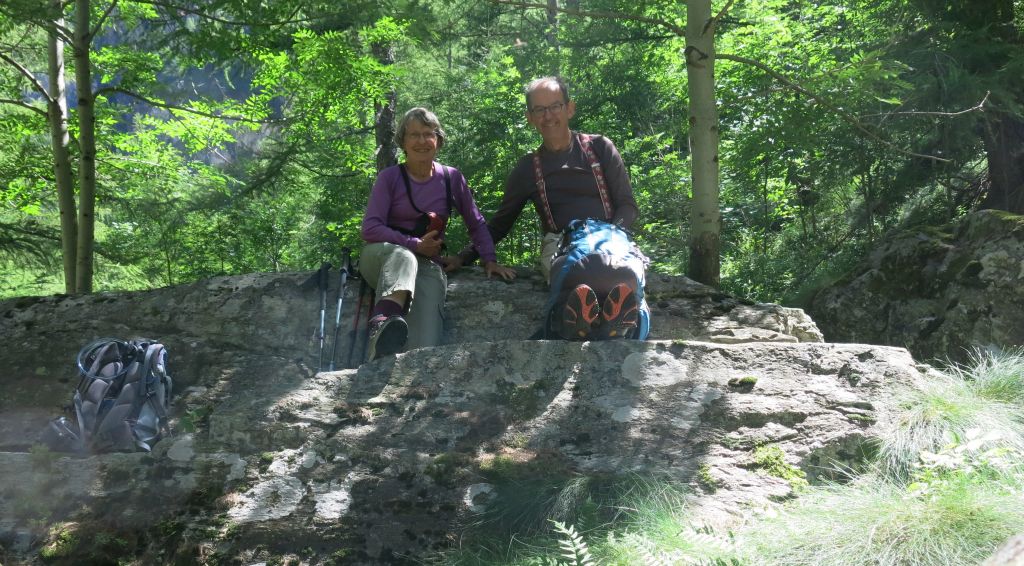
[267, 109]
[197, 181]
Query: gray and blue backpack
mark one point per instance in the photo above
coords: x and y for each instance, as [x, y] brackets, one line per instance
[122, 399]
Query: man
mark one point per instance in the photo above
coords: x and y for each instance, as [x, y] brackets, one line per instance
[564, 186]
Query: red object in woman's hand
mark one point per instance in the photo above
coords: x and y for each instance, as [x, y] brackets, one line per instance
[437, 222]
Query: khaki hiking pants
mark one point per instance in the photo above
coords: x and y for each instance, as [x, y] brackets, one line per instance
[389, 268]
[548, 250]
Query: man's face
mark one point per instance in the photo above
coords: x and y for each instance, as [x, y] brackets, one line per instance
[548, 111]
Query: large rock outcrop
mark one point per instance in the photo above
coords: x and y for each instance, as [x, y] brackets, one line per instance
[937, 292]
[266, 323]
[386, 463]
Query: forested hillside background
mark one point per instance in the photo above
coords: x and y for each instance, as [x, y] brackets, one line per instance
[233, 136]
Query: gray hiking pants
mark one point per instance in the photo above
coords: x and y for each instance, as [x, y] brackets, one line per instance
[389, 268]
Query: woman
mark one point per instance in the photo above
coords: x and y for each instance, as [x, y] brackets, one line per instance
[404, 229]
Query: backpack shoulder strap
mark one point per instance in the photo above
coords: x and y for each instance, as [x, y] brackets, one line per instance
[408, 187]
[595, 167]
[448, 188]
[542, 193]
[158, 383]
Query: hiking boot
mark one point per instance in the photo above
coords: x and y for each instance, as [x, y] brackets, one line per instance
[387, 336]
[580, 314]
[619, 313]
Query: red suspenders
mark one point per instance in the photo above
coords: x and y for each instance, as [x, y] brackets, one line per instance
[595, 166]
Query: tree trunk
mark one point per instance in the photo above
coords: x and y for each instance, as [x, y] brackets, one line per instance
[58, 119]
[87, 149]
[552, 36]
[387, 153]
[1004, 134]
[995, 24]
[705, 219]
[1004, 145]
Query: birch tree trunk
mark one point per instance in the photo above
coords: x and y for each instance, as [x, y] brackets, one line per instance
[58, 120]
[705, 219]
[87, 149]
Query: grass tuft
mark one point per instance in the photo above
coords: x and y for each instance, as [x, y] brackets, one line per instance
[986, 395]
[877, 521]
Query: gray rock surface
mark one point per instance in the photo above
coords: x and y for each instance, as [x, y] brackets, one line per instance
[387, 463]
[937, 292]
[1010, 553]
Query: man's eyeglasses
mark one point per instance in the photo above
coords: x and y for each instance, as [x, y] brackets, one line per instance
[421, 136]
[554, 109]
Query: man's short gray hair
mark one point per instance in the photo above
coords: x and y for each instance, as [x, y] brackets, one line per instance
[423, 116]
[537, 83]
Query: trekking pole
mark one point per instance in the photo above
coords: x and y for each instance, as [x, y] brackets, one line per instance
[355, 321]
[346, 267]
[321, 282]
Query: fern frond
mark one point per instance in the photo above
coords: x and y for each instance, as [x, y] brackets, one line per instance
[709, 543]
[649, 552]
[574, 548]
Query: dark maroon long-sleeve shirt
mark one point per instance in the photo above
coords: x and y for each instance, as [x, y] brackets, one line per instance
[570, 186]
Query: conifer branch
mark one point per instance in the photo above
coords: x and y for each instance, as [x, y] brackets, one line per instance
[169, 106]
[849, 118]
[979, 107]
[212, 18]
[846, 116]
[99, 23]
[63, 31]
[599, 15]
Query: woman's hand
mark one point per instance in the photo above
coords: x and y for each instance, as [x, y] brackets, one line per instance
[494, 268]
[430, 244]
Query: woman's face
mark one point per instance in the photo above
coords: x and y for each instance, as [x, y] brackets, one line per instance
[420, 142]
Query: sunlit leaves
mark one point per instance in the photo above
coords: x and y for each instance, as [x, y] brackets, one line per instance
[327, 84]
[133, 14]
[386, 30]
[126, 67]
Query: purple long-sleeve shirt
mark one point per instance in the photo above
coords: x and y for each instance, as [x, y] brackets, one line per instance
[389, 206]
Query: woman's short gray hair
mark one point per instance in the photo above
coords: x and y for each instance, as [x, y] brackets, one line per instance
[423, 116]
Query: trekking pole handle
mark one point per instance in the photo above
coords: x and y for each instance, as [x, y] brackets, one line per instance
[342, 281]
[345, 271]
[325, 271]
[346, 260]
